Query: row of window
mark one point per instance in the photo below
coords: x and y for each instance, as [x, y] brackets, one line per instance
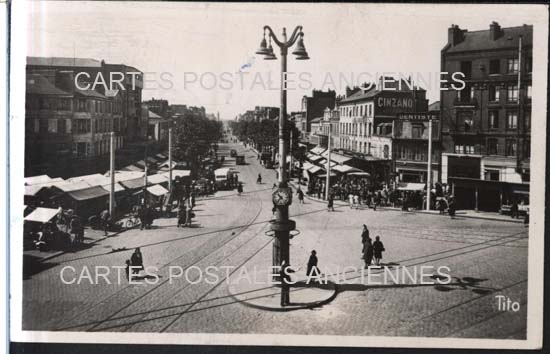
[98, 106]
[511, 66]
[465, 121]
[415, 153]
[80, 104]
[356, 111]
[512, 91]
[493, 148]
[75, 126]
[358, 129]
[98, 148]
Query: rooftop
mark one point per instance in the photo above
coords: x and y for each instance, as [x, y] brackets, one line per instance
[481, 40]
[39, 85]
[61, 61]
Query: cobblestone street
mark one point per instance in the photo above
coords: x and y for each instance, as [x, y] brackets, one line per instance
[485, 258]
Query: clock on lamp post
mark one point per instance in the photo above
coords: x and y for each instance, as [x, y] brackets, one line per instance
[282, 196]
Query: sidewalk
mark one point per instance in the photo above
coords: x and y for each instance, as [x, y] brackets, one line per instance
[459, 214]
[90, 237]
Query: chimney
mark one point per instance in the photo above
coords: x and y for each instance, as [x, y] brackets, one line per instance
[494, 29]
[456, 35]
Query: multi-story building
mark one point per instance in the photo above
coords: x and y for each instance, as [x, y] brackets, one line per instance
[126, 79]
[314, 107]
[410, 138]
[327, 127]
[68, 123]
[486, 126]
[368, 113]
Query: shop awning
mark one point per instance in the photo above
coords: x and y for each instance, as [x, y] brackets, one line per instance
[68, 186]
[323, 163]
[151, 160]
[88, 193]
[411, 187]
[157, 178]
[313, 158]
[345, 169]
[161, 156]
[42, 215]
[157, 190]
[37, 180]
[317, 150]
[332, 174]
[314, 169]
[132, 168]
[33, 190]
[364, 174]
[339, 159]
[134, 183]
[177, 173]
[43, 180]
[118, 187]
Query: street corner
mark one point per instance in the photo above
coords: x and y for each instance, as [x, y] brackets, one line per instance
[256, 289]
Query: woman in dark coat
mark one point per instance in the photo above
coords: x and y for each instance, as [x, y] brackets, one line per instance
[182, 215]
[312, 270]
[367, 251]
[137, 261]
[378, 248]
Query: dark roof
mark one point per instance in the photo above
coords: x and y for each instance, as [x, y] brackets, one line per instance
[39, 85]
[89, 93]
[480, 40]
[434, 106]
[361, 94]
[59, 61]
[88, 193]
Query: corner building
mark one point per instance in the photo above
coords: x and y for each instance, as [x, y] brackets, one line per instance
[486, 126]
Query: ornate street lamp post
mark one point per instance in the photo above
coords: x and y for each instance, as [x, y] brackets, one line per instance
[282, 196]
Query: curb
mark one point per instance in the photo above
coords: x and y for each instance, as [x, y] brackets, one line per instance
[418, 211]
[301, 306]
[59, 253]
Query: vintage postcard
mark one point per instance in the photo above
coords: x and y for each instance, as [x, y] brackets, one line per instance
[366, 175]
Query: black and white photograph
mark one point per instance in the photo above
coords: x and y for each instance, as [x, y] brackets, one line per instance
[331, 174]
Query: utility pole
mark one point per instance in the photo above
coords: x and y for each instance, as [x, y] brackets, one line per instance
[112, 175]
[145, 175]
[291, 156]
[328, 161]
[282, 197]
[429, 184]
[170, 160]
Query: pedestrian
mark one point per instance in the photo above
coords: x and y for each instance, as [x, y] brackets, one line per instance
[128, 265]
[356, 201]
[259, 179]
[378, 248]
[77, 230]
[514, 210]
[189, 217]
[451, 208]
[300, 194]
[368, 250]
[312, 270]
[330, 203]
[105, 220]
[365, 235]
[350, 200]
[182, 215]
[240, 188]
[376, 201]
[136, 261]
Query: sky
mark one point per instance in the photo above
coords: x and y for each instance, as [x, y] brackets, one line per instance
[184, 48]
